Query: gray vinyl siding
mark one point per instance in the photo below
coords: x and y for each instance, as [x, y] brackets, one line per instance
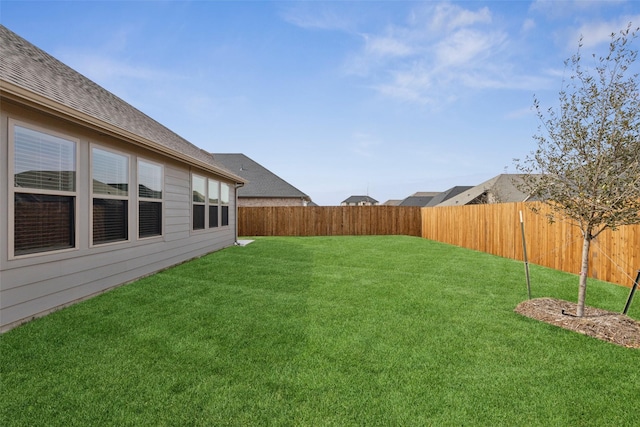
[177, 203]
[35, 285]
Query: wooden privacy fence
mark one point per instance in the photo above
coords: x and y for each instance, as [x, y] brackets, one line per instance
[329, 220]
[495, 229]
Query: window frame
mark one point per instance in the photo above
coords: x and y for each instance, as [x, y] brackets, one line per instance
[217, 203]
[93, 196]
[149, 199]
[197, 203]
[12, 189]
[207, 204]
[225, 205]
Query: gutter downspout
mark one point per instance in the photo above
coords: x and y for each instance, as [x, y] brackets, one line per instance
[237, 186]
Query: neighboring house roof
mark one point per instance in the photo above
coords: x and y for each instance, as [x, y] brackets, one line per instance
[420, 198]
[500, 188]
[393, 202]
[447, 194]
[29, 74]
[360, 199]
[261, 181]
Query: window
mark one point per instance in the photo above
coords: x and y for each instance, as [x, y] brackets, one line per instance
[110, 184]
[149, 199]
[210, 200]
[198, 185]
[214, 200]
[44, 191]
[224, 203]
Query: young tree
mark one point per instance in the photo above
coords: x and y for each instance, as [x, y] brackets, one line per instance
[587, 164]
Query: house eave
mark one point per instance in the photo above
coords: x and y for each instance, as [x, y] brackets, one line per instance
[22, 96]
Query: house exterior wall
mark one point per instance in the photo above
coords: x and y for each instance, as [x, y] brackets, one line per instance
[35, 284]
[271, 201]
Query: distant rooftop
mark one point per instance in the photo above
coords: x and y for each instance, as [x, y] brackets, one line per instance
[447, 194]
[421, 198]
[501, 189]
[360, 199]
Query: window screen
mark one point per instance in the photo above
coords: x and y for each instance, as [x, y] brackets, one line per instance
[44, 185]
[150, 199]
[110, 175]
[43, 223]
[149, 180]
[109, 220]
[43, 161]
[149, 219]
[198, 217]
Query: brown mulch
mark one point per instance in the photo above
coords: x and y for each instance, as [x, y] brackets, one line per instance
[605, 325]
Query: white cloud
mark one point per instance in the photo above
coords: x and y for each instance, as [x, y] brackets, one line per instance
[118, 39]
[448, 17]
[555, 9]
[364, 144]
[315, 16]
[522, 112]
[465, 45]
[597, 33]
[528, 25]
[386, 46]
[407, 87]
[104, 64]
[440, 53]
[102, 68]
[158, 92]
[442, 50]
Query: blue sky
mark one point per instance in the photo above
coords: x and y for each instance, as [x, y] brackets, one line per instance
[384, 98]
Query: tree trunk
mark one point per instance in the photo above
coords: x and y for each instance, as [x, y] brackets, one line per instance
[582, 289]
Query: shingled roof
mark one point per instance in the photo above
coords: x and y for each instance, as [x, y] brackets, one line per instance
[420, 198]
[360, 199]
[261, 181]
[27, 73]
[501, 187]
[447, 194]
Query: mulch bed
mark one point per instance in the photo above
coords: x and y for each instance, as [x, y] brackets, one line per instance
[605, 325]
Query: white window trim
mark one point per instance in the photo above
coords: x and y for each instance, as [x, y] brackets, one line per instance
[12, 189]
[146, 199]
[109, 196]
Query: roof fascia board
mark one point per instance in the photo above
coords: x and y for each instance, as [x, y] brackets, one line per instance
[27, 97]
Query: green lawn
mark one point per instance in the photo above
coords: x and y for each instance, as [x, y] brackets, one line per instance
[322, 331]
